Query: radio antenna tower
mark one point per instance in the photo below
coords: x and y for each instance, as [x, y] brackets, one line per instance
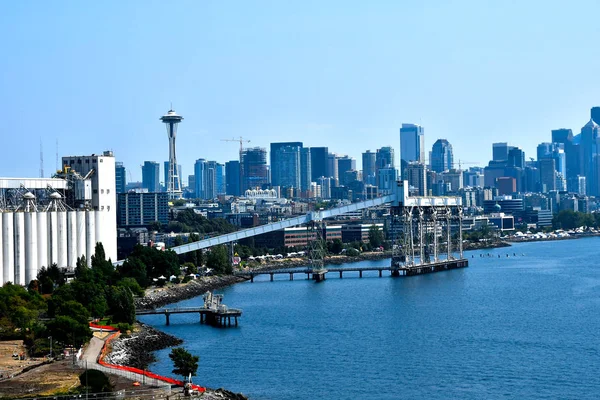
[41, 159]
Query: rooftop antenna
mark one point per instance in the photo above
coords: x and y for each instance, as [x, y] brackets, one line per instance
[41, 159]
[57, 154]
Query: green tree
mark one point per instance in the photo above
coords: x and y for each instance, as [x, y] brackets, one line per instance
[134, 268]
[68, 331]
[102, 269]
[121, 306]
[218, 259]
[184, 363]
[131, 285]
[375, 236]
[335, 246]
[95, 381]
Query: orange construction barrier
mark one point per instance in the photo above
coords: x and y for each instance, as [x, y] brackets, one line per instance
[139, 371]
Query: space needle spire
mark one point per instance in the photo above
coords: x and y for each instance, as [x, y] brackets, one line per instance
[171, 119]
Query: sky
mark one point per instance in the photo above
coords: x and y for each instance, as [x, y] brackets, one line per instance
[95, 76]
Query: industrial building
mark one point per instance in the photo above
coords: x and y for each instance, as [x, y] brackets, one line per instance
[47, 221]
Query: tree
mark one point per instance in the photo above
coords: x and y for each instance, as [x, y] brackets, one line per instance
[102, 269]
[375, 236]
[184, 363]
[134, 268]
[218, 259]
[120, 303]
[68, 331]
[335, 247]
[96, 381]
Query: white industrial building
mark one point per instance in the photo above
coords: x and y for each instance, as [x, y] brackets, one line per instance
[47, 221]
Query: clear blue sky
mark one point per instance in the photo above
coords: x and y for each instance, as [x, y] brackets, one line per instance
[342, 74]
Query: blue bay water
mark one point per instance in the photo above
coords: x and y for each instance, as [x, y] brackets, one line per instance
[518, 327]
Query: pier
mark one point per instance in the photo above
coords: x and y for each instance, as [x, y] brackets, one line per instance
[214, 312]
[402, 270]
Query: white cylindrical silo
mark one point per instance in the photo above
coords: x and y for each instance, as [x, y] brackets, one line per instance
[31, 249]
[53, 236]
[81, 247]
[1, 255]
[72, 239]
[90, 234]
[62, 239]
[8, 249]
[98, 227]
[19, 248]
[42, 239]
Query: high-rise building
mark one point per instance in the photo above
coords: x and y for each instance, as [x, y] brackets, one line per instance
[442, 158]
[139, 208]
[345, 164]
[416, 175]
[150, 176]
[516, 157]
[305, 169]
[285, 164]
[563, 136]
[191, 191]
[120, 177]
[318, 162]
[500, 151]
[173, 183]
[103, 195]
[232, 178]
[369, 167]
[590, 151]
[332, 167]
[254, 169]
[387, 180]
[547, 174]
[412, 143]
[209, 179]
[595, 114]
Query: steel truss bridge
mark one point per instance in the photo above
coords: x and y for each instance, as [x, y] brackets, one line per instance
[416, 227]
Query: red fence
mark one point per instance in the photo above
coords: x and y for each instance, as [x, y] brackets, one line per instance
[148, 374]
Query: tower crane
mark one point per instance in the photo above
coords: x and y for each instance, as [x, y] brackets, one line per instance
[241, 140]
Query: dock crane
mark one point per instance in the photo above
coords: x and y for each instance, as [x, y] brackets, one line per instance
[241, 140]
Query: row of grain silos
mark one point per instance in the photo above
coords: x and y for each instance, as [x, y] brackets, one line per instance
[31, 240]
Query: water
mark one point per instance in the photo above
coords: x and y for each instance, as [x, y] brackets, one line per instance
[523, 327]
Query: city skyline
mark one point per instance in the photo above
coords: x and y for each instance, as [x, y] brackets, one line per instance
[287, 72]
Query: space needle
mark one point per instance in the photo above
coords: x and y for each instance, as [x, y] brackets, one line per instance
[171, 119]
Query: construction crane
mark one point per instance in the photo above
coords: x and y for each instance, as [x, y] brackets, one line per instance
[461, 162]
[240, 139]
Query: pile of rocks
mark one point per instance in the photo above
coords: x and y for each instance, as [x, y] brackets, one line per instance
[136, 350]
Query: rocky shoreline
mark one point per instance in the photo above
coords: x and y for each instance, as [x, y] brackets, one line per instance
[136, 350]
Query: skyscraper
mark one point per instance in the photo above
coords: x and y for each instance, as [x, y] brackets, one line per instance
[500, 151]
[590, 146]
[232, 178]
[547, 174]
[120, 177]
[442, 158]
[332, 167]
[199, 181]
[368, 167]
[254, 169]
[595, 114]
[171, 119]
[345, 164]
[305, 169]
[412, 143]
[416, 175]
[516, 158]
[209, 179]
[318, 162]
[150, 176]
[285, 164]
